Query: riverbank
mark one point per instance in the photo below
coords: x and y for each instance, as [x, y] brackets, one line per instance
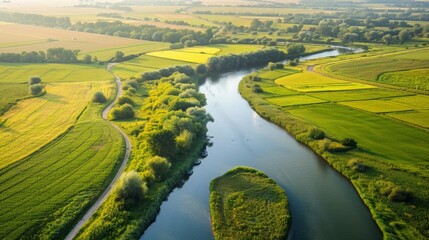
[247, 204]
[370, 174]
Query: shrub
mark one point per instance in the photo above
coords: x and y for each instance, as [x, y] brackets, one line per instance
[395, 193]
[130, 188]
[271, 66]
[122, 112]
[133, 83]
[316, 134]
[201, 69]
[36, 89]
[257, 89]
[357, 165]
[148, 177]
[125, 87]
[34, 80]
[162, 143]
[99, 97]
[349, 142]
[255, 78]
[125, 100]
[159, 166]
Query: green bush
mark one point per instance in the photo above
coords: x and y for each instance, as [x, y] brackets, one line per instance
[123, 112]
[130, 188]
[257, 89]
[349, 142]
[316, 134]
[36, 89]
[394, 192]
[125, 100]
[133, 83]
[159, 166]
[34, 80]
[99, 97]
[357, 165]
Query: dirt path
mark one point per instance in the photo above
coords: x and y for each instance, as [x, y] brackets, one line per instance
[109, 189]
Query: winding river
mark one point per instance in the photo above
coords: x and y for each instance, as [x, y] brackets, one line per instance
[323, 204]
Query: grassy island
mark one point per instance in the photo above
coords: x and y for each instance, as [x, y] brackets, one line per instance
[246, 204]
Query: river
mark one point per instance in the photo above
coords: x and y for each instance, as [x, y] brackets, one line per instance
[323, 204]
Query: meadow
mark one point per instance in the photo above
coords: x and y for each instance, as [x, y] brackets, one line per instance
[417, 79]
[293, 100]
[10, 93]
[183, 56]
[35, 122]
[20, 73]
[19, 38]
[61, 179]
[246, 204]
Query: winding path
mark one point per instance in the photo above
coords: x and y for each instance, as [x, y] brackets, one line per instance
[109, 189]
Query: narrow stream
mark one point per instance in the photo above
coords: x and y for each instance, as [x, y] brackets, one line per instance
[323, 204]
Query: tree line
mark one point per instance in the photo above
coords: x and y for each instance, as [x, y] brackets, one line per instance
[52, 55]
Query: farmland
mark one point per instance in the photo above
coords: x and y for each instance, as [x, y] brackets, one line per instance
[10, 93]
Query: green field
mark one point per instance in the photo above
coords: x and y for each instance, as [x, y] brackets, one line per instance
[416, 79]
[107, 53]
[294, 100]
[10, 93]
[19, 73]
[235, 48]
[60, 181]
[247, 204]
[278, 90]
[277, 73]
[186, 56]
[417, 101]
[419, 118]
[34, 122]
[376, 134]
[365, 94]
[203, 50]
[378, 106]
[313, 82]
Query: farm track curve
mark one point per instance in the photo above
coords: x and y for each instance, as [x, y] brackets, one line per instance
[109, 189]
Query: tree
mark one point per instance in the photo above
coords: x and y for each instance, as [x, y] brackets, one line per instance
[159, 166]
[87, 59]
[404, 35]
[119, 55]
[125, 100]
[34, 80]
[294, 49]
[130, 188]
[349, 142]
[162, 143]
[36, 89]
[99, 97]
[201, 69]
[387, 39]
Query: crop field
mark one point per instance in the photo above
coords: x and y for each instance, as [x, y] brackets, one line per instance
[417, 101]
[277, 90]
[134, 68]
[182, 56]
[203, 50]
[18, 38]
[313, 82]
[378, 106]
[243, 10]
[294, 100]
[143, 47]
[365, 94]
[34, 122]
[9, 93]
[60, 181]
[19, 73]
[277, 73]
[419, 118]
[341, 122]
[370, 68]
[235, 48]
[416, 79]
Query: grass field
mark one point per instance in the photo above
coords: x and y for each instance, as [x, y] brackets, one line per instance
[378, 106]
[247, 204]
[417, 101]
[187, 56]
[277, 90]
[19, 73]
[35, 122]
[203, 50]
[294, 100]
[235, 48]
[376, 134]
[10, 93]
[60, 181]
[418, 79]
[419, 118]
[313, 82]
[277, 73]
[18, 38]
[365, 94]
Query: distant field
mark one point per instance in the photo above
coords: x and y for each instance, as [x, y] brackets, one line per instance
[313, 82]
[18, 38]
[415, 79]
[183, 56]
[365, 94]
[419, 118]
[378, 106]
[45, 193]
[235, 48]
[19, 73]
[203, 50]
[371, 67]
[9, 93]
[294, 100]
[375, 133]
[143, 47]
[34, 122]
[135, 67]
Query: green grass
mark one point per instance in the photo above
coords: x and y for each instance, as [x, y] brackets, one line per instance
[106, 54]
[235, 48]
[182, 56]
[417, 101]
[293, 100]
[46, 193]
[19, 73]
[313, 82]
[34, 122]
[10, 93]
[365, 94]
[378, 106]
[376, 134]
[417, 79]
[419, 118]
[135, 67]
[277, 73]
[247, 204]
[278, 90]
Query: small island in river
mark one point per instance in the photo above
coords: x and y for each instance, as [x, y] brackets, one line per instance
[246, 204]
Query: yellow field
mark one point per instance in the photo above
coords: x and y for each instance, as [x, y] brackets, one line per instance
[419, 118]
[182, 56]
[18, 38]
[203, 50]
[378, 106]
[18, 73]
[34, 122]
[313, 82]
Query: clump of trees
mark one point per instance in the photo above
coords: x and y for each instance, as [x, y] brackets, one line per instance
[36, 87]
[316, 134]
[166, 72]
[357, 165]
[130, 189]
[53, 55]
[99, 97]
[34, 80]
[159, 167]
[272, 66]
[125, 100]
[124, 111]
